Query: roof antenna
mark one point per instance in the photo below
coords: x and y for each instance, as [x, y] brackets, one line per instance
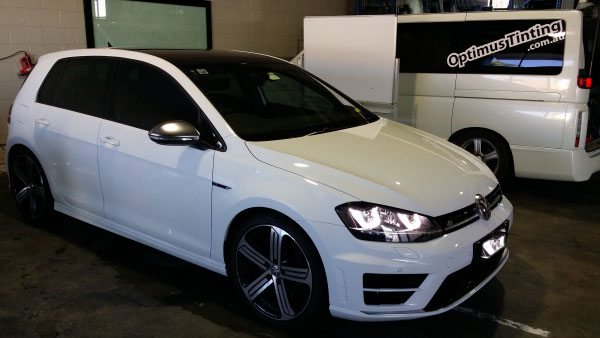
[109, 45]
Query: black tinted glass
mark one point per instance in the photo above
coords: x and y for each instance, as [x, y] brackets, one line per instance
[424, 47]
[268, 102]
[511, 47]
[145, 97]
[84, 85]
[47, 93]
[590, 40]
[482, 47]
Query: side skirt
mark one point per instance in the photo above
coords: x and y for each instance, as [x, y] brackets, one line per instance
[105, 224]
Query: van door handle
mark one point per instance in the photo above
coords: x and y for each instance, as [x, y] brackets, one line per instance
[43, 121]
[110, 140]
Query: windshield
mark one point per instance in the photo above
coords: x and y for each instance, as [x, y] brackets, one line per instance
[263, 102]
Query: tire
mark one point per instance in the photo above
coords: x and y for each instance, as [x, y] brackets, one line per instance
[491, 150]
[29, 187]
[277, 271]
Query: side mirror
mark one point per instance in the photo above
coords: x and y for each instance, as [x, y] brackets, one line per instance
[174, 133]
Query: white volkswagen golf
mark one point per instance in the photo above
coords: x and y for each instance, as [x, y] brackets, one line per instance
[251, 167]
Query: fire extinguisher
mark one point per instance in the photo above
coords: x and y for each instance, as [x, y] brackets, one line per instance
[26, 66]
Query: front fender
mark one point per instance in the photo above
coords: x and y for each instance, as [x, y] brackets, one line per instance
[254, 184]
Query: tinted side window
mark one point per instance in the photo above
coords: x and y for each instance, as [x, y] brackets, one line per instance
[146, 96]
[47, 93]
[511, 47]
[84, 85]
[424, 47]
[482, 47]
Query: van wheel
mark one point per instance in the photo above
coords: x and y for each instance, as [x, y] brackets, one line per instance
[29, 187]
[277, 272]
[491, 150]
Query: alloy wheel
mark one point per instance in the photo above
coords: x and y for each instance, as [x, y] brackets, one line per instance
[27, 185]
[273, 272]
[485, 151]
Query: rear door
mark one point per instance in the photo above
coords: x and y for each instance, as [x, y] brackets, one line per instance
[591, 47]
[517, 75]
[68, 112]
[157, 190]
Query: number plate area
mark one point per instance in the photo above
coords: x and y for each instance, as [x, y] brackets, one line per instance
[494, 242]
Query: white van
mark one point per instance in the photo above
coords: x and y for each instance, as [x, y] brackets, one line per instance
[510, 87]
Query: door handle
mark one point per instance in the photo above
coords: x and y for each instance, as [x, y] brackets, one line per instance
[110, 140]
[43, 121]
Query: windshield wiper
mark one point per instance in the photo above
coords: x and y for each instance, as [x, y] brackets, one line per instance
[320, 131]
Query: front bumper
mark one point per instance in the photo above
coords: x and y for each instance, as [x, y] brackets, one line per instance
[348, 259]
[345, 313]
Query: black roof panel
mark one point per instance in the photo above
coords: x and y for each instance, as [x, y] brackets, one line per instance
[190, 57]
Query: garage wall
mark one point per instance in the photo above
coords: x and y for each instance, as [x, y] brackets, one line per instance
[43, 26]
[38, 27]
[268, 26]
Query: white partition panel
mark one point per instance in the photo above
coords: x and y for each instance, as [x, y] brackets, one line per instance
[353, 53]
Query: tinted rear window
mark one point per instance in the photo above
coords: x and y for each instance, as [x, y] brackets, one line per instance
[47, 93]
[84, 85]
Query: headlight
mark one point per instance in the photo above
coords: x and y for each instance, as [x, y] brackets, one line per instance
[380, 223]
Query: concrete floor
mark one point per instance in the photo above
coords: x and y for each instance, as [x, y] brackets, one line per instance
[72, 279]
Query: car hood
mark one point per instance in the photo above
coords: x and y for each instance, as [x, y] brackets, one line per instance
[384, 162]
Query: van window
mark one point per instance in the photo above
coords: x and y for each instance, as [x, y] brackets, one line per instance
[512, 47]
[47, 93]
[482, 47]
[146, 96]
[84, 85]
[424, 47]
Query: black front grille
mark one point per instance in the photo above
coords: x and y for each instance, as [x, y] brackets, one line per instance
[386, 289]
[386, 298]
[460, 218]
[461, 282]
[495, 197]
[396, 281]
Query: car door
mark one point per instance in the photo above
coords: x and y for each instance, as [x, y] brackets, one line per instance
[160, 191]
[68, 113]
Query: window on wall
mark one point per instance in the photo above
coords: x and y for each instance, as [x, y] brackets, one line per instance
[182, 24]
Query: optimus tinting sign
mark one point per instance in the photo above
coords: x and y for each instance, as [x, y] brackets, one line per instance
[553, 30]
